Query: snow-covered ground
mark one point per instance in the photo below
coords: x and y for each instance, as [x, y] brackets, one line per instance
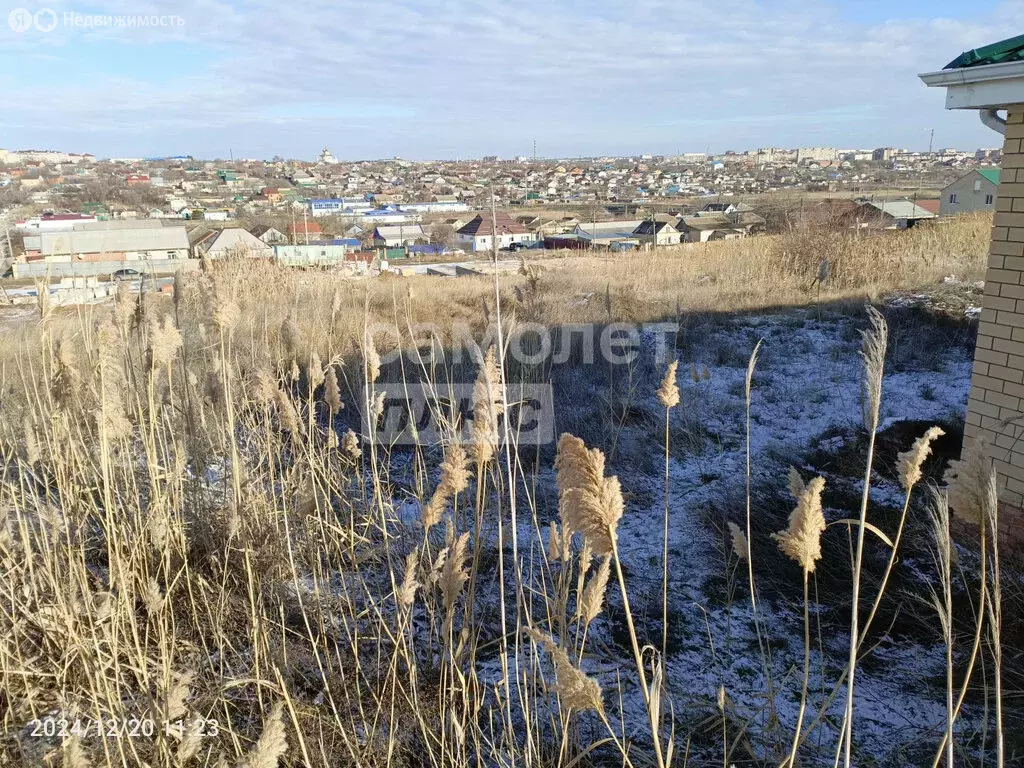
[806, 398]
[807, 384]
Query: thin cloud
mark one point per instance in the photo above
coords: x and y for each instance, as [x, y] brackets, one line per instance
[490, 75]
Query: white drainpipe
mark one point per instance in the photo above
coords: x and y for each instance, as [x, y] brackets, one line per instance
[991, 118]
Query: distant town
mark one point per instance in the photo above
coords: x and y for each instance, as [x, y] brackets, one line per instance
[75, 215]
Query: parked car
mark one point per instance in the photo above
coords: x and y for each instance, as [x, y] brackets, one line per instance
[127, 274]
[518, 246]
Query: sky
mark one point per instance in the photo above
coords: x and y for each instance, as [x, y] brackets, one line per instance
[443, 79]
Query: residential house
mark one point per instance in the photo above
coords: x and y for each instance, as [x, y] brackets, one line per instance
[897, 214]
[113, 243]
[707, 227]
[331, 206]
[727, 208]
[51, 222]
[607, 234]
[658, 231]
[272, 195]
[301, 231]
[398, 236]
[479, 233]
[314, 254]
[268, 234]
[975, 191]
[233, 241]
[990, 79]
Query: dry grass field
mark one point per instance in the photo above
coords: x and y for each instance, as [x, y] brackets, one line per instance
[206, 561]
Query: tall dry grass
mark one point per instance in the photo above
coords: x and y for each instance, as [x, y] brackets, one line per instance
[194, 535]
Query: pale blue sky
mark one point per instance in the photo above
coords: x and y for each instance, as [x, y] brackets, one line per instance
[465, 78]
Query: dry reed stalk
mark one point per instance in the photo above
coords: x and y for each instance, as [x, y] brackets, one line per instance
[591, 504]
[802, 543]
[762, 642]
[908, 469]
[973, 497]
[873, 352]
[943, 555]
[668, 396]
[371, 359]
[995, 626]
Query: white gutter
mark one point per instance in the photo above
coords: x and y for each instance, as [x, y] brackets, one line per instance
[987, 87]
[968, 75]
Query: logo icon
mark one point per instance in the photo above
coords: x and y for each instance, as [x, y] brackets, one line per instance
[20, 19]
[45, 19]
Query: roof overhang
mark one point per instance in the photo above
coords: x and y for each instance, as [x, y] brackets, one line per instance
[990, 86]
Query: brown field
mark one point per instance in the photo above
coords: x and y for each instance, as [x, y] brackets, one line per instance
[190, 535]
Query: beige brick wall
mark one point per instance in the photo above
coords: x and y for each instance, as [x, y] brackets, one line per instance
[996, 407]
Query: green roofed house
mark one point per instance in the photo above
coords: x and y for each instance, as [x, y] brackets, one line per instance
[991, 80]
[975, 191]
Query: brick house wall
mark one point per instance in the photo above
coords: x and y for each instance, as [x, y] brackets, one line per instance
[996, 407]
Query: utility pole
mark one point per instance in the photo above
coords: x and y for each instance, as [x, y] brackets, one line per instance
[920, 176]
[7, 234]
[494, 232]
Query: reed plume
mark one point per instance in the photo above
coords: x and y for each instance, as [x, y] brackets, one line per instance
[487, 407]
[668, 392]
[592, 602]
[740, 545]
[286, 413]
[350, 445]
[453, 573]
[74, 754]
[332, 393]
[406, 594]
[802, 540]
[262, 385]
[272, 744]
[164, 342]
[315, 372]
[971, 484]
[574, 688]
[795, 483]
[371, 358]
[908, 463]
[291, 337]
[226, 313]
[125, 303]
[589, 502]
[454, 480]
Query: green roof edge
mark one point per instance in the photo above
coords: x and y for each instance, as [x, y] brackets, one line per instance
[992, 174]
[1011, 49]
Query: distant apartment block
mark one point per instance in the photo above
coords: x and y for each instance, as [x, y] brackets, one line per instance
[817, 154]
